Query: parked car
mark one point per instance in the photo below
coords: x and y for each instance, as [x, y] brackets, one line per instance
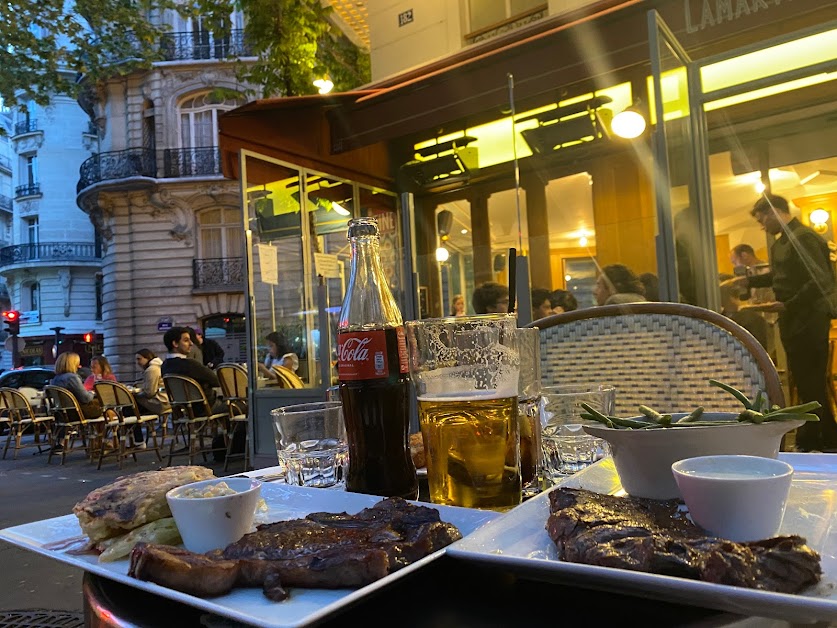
[28, 377]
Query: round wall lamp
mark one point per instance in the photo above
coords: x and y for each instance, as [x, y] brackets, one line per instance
[323, 85]
[629, 123]
[442, 254]
[819, 220]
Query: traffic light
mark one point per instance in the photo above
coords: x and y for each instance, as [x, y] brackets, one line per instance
[90, 337]
[12, 319]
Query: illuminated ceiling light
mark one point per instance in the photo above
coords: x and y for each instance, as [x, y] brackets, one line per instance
[568, 278]
[629, 123]
[442, 254]
[809, 178]
[324, 85]
[340, 209]
[582, 241]
[463, 231]
[819, 216]
[760, 187]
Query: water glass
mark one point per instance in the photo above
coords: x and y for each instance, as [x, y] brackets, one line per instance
[466, 372]
[311, 443]
[567, 448]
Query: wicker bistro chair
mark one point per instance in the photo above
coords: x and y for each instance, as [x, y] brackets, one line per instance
[192, 418]
[119, 399]
[233, 378]
[20, 418]
[286, 378]
[67, 413]
[658, 354]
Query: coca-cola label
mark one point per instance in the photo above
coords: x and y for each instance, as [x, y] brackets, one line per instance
[362, 355]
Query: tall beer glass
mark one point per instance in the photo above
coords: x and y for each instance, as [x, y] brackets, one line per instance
[466, 372]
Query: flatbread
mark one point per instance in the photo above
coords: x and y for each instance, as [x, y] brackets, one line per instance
[133, 500]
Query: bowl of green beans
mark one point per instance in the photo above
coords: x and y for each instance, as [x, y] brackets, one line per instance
[646, 445]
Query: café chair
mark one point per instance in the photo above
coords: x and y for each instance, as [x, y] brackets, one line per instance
[119, 399]
[233, 378]
[661, 355]
[286, 378]
[19, 417]
[78, 432]
[192, 418]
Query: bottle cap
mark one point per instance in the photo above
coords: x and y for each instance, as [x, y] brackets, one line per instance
[363, 227]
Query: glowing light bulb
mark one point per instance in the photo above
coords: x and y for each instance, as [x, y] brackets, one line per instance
[324, 85]
[819, 216]
[442, 254]
[582, 241]
[628, 123]
[760, 187]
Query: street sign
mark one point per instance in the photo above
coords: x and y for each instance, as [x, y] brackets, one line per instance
[164, 323]
[21, 343]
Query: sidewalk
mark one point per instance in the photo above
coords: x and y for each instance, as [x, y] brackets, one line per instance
[29, 491]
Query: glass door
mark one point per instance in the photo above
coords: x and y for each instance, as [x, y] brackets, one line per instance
[685, 248]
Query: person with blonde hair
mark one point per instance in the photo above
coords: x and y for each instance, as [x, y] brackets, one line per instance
[101, 371]
[66, 376]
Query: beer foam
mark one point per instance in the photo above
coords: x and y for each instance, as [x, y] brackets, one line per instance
[474, 395]
[499, 381]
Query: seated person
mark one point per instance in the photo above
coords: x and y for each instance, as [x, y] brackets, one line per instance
[66, 376]
[491, 298]
[279, 353]
[752, 321]
[100, 369]
[617, 284]
[152, 395]
[652, 286]
[562, 301]
[178, 341]
[541, 305]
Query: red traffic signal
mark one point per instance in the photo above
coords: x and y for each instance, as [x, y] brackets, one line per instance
[90, 337]
[12, 319]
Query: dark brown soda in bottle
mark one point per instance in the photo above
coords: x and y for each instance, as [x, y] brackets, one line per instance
[374, 375]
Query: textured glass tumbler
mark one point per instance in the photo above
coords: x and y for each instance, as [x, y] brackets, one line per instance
[311, 443]
[567, 448]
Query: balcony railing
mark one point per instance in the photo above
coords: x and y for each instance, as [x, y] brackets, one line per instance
[26, 126]
[223, 273]
[5, 203]
[192, 162]
[50, 252]
[120, 164]
[185, 46]
[5, 163]
[28, 189]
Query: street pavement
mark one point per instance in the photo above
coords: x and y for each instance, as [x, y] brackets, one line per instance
[30, 491]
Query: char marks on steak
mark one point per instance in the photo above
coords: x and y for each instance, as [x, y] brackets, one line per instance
[657, 537]
[324, 550]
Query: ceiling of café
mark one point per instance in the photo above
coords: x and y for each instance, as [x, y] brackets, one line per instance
[355, 16]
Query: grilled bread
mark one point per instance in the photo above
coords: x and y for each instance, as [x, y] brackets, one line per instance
[133, 500]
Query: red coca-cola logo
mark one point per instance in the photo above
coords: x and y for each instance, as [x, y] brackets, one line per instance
[354, 350]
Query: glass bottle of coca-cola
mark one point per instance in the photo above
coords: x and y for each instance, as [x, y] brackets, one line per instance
[374, 375]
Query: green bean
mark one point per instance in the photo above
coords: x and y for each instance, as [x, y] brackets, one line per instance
[693, 416]
[734, 392]
[790, 416]
[595, 415]
[751, 416]
[650, 413]
[761, 399]
[801, 408]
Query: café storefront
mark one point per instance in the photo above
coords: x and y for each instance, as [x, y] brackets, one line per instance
[511, 145]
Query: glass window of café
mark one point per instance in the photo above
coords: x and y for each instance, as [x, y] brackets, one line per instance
[299, 261]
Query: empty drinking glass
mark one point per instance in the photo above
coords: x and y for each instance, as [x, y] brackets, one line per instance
[567, 447]
[311, 443]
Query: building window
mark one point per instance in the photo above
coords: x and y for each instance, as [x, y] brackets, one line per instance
[485, 13]
[220, 234]
[32, 231]
[29, 176]
[199, 119]
[99, 295]
[34, 296]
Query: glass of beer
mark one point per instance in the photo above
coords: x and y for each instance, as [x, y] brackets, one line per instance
[466, 371]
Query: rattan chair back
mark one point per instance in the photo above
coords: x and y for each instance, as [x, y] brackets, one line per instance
[658, 354]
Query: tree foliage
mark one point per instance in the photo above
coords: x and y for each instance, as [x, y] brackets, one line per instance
[49, 45]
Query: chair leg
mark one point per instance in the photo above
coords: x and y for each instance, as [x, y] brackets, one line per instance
[8, 441]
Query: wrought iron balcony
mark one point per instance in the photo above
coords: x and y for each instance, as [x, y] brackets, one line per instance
[221, 273]
[26, 126]
[120, 164]
[184, 46]
[5, 203]
[50, 252]
[192, 162]
[28, 189]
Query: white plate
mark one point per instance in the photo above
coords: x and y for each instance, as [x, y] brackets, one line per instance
[249, 605]
[519, 542]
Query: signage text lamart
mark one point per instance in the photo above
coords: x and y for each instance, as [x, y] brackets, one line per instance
[703, 14]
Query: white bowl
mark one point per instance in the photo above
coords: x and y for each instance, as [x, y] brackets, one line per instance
[740, 498]
[643, 458]
[208, 523]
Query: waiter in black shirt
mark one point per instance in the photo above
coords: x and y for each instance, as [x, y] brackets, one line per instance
[802, 277]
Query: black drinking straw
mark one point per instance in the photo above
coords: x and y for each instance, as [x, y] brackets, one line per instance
[512, 279]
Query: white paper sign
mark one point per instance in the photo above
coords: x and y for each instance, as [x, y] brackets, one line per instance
[327, 265]
[269, 263]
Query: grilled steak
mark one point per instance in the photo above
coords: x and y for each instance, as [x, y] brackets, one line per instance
[657, 537]
[324, 550]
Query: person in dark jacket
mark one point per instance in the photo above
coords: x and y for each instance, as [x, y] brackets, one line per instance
[802, 278]
[178, 341]
[213, 353]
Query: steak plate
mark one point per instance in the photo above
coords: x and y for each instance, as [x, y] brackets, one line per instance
[656, 537]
